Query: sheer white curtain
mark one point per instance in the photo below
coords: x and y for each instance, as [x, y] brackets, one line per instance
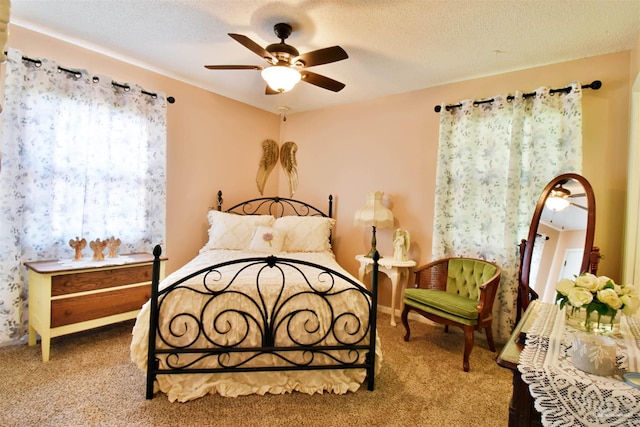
[494, 159]
[80, 158]
[536, 257]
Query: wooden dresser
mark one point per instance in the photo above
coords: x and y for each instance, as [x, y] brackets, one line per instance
[522, 412]
[64, 298]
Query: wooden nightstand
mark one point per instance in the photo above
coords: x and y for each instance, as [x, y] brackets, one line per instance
[72, 296]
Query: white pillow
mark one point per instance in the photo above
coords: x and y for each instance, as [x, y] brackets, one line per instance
[267, 239]
[305, 233]
[233, 231]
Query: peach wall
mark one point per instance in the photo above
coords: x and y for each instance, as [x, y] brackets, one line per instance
[566, 240]
[551, 261]
[386, 144]
[635, 59]
[631, 263]
[390, 144]
[213, 142]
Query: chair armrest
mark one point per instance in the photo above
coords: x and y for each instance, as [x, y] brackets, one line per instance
[487, 297]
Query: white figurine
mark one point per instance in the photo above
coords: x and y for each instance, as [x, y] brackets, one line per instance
[401, 243]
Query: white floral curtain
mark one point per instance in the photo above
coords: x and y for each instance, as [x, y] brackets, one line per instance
[494, 160]
[80, 158]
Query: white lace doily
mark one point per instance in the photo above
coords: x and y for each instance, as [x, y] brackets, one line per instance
[567, 396]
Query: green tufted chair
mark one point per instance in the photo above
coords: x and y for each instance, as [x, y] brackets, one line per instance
[457, 292]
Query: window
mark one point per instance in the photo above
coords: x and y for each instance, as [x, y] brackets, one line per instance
[80, 158]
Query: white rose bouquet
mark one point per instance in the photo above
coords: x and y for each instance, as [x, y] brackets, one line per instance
[597, 294]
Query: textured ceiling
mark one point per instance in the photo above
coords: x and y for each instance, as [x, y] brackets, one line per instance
[393, 46]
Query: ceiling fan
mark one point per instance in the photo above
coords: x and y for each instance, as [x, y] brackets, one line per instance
[286, 66]
[559, 198]
[578, 196]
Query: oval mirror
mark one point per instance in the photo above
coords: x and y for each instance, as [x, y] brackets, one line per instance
[560, 240]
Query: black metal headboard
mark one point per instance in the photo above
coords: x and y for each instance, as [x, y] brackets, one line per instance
[276, 206]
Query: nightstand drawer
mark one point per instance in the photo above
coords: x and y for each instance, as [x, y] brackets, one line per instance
[101, 279]
[66, 311]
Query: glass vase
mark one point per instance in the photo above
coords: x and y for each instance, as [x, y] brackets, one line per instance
[594, 322]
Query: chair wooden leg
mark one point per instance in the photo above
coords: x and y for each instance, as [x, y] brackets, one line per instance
[446, 329]
[405, 322]
[492, 346]
[468, 346]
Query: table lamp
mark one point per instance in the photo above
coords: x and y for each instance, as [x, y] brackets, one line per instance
[374, 214]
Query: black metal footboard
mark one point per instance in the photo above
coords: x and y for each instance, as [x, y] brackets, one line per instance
[264, 314]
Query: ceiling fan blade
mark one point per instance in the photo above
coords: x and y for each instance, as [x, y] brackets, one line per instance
[233, 67]
[253, 47]
[269, 91]
[321, 81]
[578, 195]
[322, 56]
[579, 206]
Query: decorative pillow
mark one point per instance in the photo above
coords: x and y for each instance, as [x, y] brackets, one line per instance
[233, 231]
[305, 233]
[267, 239]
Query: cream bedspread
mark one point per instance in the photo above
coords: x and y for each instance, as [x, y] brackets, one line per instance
[185, 387]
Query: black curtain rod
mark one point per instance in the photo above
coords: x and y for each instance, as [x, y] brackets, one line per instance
[127, 88]
[595, 85]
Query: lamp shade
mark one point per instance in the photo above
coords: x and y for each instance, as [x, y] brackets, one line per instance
[280, 78]
[374, 213]
[558, 199]
[556, 203]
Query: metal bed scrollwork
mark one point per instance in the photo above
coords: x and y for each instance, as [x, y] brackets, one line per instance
[263, 313]
[276, 206]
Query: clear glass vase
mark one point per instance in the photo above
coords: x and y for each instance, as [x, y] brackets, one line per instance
[596, 323]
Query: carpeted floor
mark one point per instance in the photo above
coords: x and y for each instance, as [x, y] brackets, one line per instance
[90, 381]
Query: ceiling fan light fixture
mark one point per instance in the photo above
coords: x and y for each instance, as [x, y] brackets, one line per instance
[558, 199]
[281, 78]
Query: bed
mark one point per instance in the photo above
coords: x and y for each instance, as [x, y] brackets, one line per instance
[263, 308]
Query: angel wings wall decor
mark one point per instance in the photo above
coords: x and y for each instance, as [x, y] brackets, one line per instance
[267, 163]
[270, 154]
[289, 164]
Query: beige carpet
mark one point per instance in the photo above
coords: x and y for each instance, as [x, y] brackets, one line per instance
[90, 381]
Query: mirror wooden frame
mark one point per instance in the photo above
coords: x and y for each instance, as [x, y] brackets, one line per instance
[591, 254]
